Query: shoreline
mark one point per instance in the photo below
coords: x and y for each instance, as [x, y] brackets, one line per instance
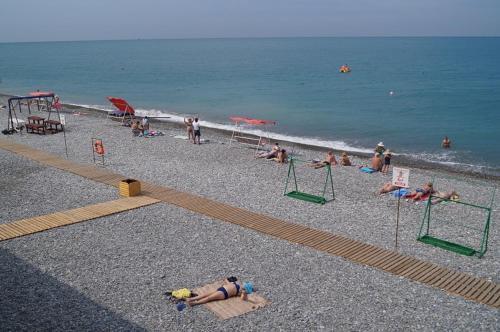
[400, 159]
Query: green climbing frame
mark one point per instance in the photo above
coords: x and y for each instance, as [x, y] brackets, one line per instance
[425, 236]
[308, 197]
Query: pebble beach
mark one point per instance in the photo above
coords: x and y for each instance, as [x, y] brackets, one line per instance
[111, 272]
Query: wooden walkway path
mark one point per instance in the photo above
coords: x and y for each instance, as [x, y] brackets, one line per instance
[458, 283]
[42, 223]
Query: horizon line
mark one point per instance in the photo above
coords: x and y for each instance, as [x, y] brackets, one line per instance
[270, 37]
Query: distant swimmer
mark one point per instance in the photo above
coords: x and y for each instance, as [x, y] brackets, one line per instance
[391, 93]
[446, 144]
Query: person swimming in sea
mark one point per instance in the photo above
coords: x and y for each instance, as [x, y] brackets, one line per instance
[446, 144]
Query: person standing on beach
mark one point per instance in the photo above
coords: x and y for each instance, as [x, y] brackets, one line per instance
[387, 161]
[380, 148]
[196, 130]
[145, 124]
[189, 127]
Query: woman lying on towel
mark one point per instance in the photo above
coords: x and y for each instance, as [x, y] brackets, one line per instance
[421, 193]
[227, 290]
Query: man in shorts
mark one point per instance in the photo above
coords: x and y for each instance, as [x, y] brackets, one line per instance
[196, 130]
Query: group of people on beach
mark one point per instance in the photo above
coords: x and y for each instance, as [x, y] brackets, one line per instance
[193, 129]
[140, 127]
[277, 154]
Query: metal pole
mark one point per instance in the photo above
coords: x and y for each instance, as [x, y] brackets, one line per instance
[397, 219]
[65, 144]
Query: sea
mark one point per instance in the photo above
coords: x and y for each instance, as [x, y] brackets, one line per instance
[405, 92]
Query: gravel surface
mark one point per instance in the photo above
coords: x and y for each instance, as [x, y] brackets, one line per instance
[119, 272]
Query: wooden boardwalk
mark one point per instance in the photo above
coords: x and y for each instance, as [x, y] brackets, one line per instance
[42, 223]
[453, 282]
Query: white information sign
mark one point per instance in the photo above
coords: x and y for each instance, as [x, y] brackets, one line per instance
[401, 177]
[63, 119]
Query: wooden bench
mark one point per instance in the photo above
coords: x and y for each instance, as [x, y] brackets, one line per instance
[53, 126]
[35, 128]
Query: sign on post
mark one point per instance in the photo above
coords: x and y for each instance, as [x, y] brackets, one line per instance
[401, 177]
[62, 117]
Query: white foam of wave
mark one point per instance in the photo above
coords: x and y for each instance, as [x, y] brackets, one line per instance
[178, 118]
[336, 145]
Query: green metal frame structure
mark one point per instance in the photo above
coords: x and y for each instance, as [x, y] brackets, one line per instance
[425, 237]
[297, 194]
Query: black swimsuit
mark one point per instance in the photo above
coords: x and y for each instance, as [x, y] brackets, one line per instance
[224, 291]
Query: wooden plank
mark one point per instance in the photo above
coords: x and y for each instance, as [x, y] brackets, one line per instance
[492, 295]
[33, 225]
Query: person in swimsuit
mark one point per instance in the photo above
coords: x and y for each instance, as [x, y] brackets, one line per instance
[445, 196]
[446, 144]
[376, 162]
[271, 154]
[227, 290]
[419, 192]
[387, 161]
[282, 157]
[189, 127]
[329, 160]
[387, 187]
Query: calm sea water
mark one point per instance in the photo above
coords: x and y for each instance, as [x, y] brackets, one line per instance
[441, 86]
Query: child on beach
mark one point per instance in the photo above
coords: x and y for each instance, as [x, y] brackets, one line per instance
[387, 161]
[196, 131]
[189, 127]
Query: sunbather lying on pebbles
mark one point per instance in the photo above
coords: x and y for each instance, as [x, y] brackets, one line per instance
[271, 154]
[329, 160]
[445, 196]
[419, 192]
[387, 188]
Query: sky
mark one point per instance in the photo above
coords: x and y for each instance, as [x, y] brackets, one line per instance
[62, 20]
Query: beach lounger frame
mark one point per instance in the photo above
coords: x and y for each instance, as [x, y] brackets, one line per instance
[258, 142]
[298, 194]
[425, 232]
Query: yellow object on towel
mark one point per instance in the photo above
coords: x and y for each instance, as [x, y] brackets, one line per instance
[182, 293]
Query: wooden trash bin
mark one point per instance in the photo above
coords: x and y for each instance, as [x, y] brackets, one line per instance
[129, 187]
